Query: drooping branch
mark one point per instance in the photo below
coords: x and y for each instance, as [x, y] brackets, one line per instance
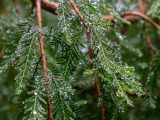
[39, 20]
[91, 53]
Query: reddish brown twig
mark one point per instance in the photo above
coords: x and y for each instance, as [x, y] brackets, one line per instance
[108, 17]
[91, 53]
[146, 18]
[48, 6]
[131, 16]
[142, 9]
[39, 19]
[102, 110]
[76, 10]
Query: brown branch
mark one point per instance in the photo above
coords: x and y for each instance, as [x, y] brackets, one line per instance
[48, 6]
[76, 10]
[131, 16]
[127, 17]
[39, 19]
[141, 7]
[102, 110]
[146, 18]
[91, 53]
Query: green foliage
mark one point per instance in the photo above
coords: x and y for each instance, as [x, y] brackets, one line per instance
[34, 104]
[154, 11]
[23, 52]
[62, 101]
[121, 63]
[68, 55]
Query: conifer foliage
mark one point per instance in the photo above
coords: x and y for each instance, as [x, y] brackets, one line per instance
[57, 68]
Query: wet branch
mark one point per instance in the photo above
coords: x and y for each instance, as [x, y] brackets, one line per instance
[39, 20]
[130, 16]
[91, 54]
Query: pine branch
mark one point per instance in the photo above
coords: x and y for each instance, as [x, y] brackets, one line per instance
[34, 100]
[62, 101]
[69, 54]
[26, 47]
[90, 51]
[16, 37]
[39, 19]
[114, 80]
[21, 78]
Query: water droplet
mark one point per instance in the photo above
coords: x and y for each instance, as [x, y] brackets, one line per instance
[43, 89]
[35, 93]
[34, 112]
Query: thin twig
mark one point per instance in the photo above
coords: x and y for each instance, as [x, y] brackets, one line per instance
[91, 53]
[142, 9]
[131, 16]
[39, 19]
[146, 18]
[102, 110]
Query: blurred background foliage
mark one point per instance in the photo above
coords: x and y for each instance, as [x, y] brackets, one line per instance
[134, 50]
